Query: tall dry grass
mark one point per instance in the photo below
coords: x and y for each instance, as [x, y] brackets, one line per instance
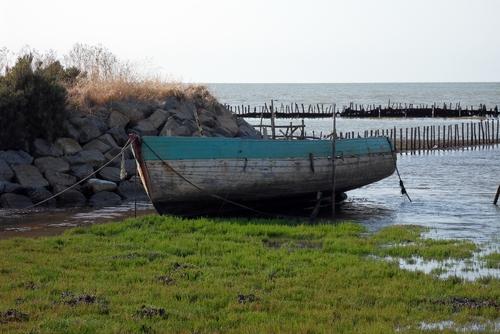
[87, 94]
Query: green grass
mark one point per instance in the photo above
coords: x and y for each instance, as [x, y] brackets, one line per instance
[167, 275]
[492, 260]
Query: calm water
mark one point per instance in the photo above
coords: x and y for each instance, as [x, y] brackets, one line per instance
[361, 93]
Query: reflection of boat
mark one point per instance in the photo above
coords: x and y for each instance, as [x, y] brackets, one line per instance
[192, 175]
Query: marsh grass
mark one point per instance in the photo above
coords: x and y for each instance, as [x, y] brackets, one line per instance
[492, 260]
[167, 275]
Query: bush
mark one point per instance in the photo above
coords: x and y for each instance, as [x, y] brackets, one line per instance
[32, 102]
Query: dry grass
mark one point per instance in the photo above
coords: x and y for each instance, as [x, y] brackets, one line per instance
[89, 93]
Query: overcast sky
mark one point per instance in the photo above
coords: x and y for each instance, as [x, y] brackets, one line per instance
[274, 40]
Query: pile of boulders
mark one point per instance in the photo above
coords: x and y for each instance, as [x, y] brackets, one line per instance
[93, 138]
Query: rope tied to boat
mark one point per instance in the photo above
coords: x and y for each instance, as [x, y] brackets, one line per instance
[401, 183]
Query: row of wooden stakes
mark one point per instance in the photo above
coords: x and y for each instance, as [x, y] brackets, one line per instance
[409, 139]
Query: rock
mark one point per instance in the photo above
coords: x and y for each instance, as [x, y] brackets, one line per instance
[226, 126]
[130, 167]
[71, 198]
[158, 118]
[105, 198]
[207, 118]
[90, 157]
[29, 176]
[133, 111]
[91, 128]
[117, 119]
[37, 195]
[119, 135]
[131, 190]
[81, 171]
[6, 172]
[96, 144]
[96, 185]
[110, 174]
[174, 128]
[68, 145]
[171, 102]
[185, 111]
[46, 164]
[16, 157]
[145, 128]
[109, 140]
[112, 154]
[71, 131]
[9, 187]
[43, 148]
[57, 178]
[15, 201]
[245, 130]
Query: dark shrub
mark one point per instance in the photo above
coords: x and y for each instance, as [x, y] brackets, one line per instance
[32, 103]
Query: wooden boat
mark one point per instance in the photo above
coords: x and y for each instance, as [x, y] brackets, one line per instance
[203, 175]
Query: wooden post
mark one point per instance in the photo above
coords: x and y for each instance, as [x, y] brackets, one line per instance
[273, 129]
[495, 201]
[334, 139]
[439, 136]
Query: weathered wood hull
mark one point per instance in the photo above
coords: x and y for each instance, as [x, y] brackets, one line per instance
[187, 177]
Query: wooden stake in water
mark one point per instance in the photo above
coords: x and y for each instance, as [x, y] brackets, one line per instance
[334, 116]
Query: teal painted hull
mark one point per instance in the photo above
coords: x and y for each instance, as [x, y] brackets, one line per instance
[190, 175]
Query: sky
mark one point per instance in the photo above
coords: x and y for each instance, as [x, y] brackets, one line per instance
[274, 40]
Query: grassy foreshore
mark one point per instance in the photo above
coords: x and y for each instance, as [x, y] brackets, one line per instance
[166, 275]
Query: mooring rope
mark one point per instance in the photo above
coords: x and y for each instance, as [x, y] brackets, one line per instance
[401, 184]
[125, 146]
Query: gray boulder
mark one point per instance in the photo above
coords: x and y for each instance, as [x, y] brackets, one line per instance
[105, 198]
[171, 102]
[68, 145]
[185, 111]
[96, 185]
[226, 126]
[71, 199]
[29, 176]
[16, 157]
[119, 135]
[158, 118]
[145, 128]
[9, 187]
[110, 174]
[174, 128]
[109, 140]
[71, 131]
[90, 157]
[15, 201]
[90, 128]
[245, 130]
[130, 167]
[6, 172]
[58, 178]
[131, 189]
[42, 148]
[46, 164]
[96, 144]
[81, 171]
[207, 119]
[133, 111]
[117, 119]
[37, 195]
